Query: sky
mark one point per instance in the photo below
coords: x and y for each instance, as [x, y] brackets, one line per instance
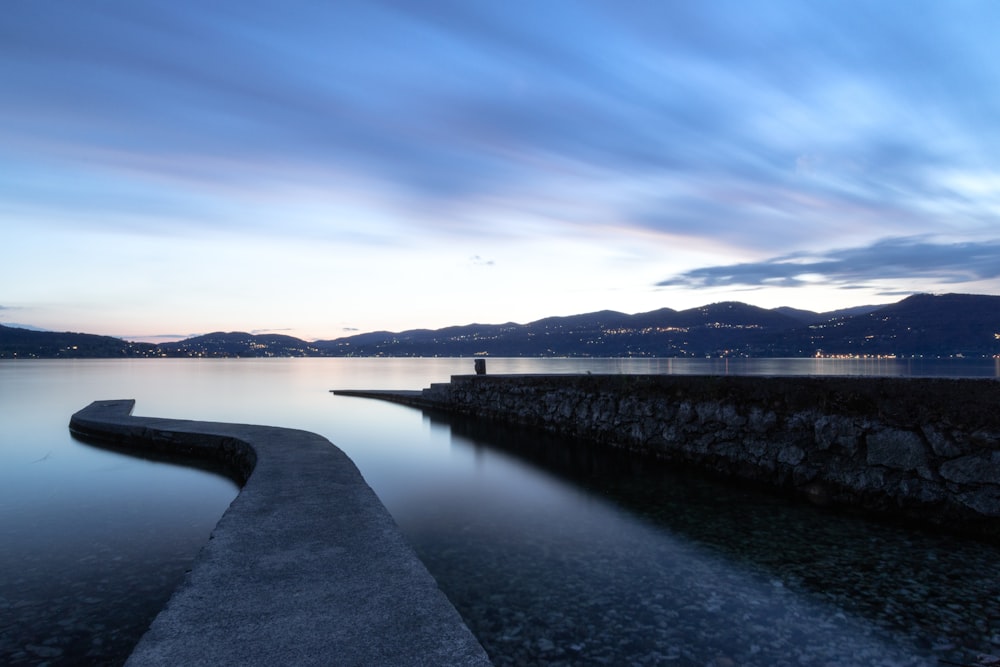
[171, 168]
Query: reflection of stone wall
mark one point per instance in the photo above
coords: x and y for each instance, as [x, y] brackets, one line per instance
[924, 448]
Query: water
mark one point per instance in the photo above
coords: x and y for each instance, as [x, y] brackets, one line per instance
[553, 551]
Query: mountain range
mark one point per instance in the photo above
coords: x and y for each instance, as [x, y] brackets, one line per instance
[919, 325]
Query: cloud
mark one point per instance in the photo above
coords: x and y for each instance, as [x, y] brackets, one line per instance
[905, 258]
[479, 261]
[763, 127]
[166, 337]
[460, 100]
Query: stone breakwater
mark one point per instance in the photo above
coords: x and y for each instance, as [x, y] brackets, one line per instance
[923, 449]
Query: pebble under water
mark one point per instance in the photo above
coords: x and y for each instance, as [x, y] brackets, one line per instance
[63, 618]
[85, 574]
[663, 567]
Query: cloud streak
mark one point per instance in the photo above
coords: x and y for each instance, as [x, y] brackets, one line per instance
[458, 101]
[898, 259]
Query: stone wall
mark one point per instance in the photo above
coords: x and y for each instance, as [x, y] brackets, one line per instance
[927, 449]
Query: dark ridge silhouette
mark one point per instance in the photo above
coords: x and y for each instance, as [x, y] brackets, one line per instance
[919, 325]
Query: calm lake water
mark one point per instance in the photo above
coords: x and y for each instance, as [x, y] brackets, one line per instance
[554, 552]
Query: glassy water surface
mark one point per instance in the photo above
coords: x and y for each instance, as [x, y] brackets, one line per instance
[555, 552]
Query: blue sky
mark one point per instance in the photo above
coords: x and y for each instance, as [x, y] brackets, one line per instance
[321, 168]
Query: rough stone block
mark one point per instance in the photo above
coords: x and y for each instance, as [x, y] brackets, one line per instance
[972, 469]
[894, 448]
[923, 491]
[833, 431]
[984, 500]
[791, 455]
[940, 443]
[708, 411]
[760, 420]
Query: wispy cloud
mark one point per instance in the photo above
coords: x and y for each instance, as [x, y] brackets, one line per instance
[473, 102]
[889, 259]
[155, 337]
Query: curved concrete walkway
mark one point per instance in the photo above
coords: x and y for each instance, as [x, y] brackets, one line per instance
[306, 567]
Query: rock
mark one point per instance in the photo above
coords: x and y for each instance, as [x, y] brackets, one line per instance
[894, 448]
[924, 492]
[761, 421]
[722, 661]
[708, 411]
[44, 651]
[984, 500]
[545, 645]
[940, 443]
[791, 455]
[972, 469]
[832, 431]
[685, 412]
[864, 479]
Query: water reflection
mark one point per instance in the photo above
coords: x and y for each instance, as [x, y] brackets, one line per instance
[92, 543]
[863, 366]
[558, 552]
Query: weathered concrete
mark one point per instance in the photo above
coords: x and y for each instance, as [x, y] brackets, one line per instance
[925, 449]
[306, 567]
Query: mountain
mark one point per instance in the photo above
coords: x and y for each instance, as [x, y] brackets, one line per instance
[240, 344]
[810, 317]
[923, 324]
[710, 329]
[18, 343]
[716, 329]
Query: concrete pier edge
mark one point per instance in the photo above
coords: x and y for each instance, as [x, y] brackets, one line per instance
[306, 567]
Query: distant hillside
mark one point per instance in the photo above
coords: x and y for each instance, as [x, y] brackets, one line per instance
[16, 343]
[717, 329]
[923, 324]
[240, 344]
[947, 325]
[938, 326]
[810, 317]
[722, 328]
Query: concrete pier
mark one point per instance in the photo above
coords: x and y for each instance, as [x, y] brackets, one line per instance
[306, 567]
